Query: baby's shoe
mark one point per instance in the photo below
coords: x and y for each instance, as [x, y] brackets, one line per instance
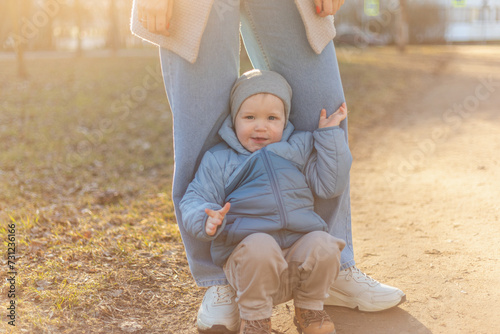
[255, 326]
[313, 322]
[219, 312]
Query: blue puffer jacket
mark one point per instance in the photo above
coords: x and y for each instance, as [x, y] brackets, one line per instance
[270, 190]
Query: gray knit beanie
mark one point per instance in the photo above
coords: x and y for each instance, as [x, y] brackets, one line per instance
[260, 81]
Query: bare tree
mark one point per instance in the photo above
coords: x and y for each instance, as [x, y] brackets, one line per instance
[17, 8]
[402, 35]
[113, 32]
[78, 12]
[45, 36]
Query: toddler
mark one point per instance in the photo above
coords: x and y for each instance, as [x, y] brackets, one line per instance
[253, 198]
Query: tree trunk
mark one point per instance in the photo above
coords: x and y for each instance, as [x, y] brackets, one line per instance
[113, 33]
[78, 12]
[402, 36]
[17, 9]
[46, 33]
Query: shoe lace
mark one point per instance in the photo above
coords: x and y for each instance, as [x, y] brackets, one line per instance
[361, 276]
[257, 326]
[223, 294]
[314, 316]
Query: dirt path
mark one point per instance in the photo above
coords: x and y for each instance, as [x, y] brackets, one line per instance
[426, 206]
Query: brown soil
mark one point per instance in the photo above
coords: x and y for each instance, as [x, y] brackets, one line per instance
[426, 207]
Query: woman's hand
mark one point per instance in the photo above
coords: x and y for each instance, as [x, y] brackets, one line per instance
[155, 15]
[327, 7]
[334, 119]
[215, 218]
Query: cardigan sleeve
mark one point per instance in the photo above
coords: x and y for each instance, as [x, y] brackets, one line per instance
[187, 26]
[319, 30]
[189, 22]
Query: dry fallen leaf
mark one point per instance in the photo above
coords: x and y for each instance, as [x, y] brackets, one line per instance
[130, 326]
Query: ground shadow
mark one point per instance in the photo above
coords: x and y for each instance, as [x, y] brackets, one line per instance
[348, 321]
[393, 321]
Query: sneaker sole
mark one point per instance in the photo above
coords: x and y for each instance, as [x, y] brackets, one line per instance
[217, 329]
[340, 300]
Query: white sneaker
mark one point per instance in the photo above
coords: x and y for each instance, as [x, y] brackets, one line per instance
[218, 312]
[354, 289]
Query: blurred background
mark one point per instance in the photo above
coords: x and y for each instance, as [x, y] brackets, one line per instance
[78, 26]
[86, 163]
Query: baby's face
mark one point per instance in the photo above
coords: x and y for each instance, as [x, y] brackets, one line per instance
[260, 121]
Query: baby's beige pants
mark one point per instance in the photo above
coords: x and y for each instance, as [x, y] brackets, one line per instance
[264, 275]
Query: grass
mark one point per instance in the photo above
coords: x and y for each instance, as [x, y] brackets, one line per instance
[85, 175]
[86, 181]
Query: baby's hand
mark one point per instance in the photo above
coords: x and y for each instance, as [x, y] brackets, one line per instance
[334, 118]
[215, 218]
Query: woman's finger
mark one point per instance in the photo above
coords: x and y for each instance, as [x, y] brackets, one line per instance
[339, 4]
[327, 8]
[161, 24]
[170, 12]
[163, 18]
[151, 22]
[318, 4]
[141, 12]
[335, 6]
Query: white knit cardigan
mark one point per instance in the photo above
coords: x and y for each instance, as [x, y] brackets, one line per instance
[188, 23]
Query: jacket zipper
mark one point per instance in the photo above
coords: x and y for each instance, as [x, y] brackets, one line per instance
[274, 185]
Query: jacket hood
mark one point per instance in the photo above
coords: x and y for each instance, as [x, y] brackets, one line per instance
[229, 136]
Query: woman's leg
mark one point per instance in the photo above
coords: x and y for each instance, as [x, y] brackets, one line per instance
[198, 95]
[275, 39]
